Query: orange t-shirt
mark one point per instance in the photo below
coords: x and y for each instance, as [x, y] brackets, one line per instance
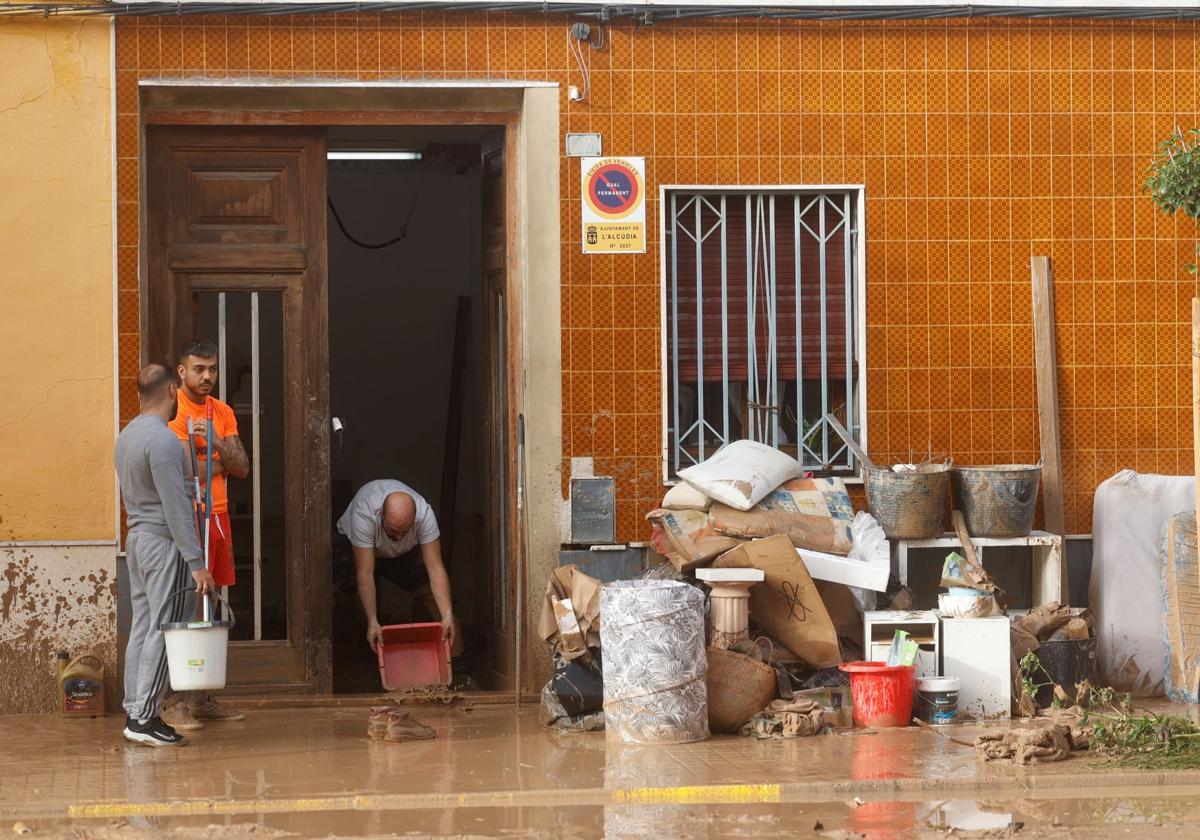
[225, 422]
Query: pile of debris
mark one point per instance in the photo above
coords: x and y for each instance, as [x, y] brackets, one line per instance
[1053, 679]
[788, 562]
[573, 701]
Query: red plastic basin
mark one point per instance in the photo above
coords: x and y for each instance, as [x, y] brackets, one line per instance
[882, 694]
[412, 656]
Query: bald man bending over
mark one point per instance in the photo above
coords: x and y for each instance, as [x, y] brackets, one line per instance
[387, 519]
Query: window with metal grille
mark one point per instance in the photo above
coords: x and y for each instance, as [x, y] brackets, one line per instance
[761, 311]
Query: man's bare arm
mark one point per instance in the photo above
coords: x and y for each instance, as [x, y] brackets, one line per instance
[364, 570]
[233, 456]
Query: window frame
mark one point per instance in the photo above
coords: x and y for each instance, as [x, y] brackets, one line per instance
[859, 257]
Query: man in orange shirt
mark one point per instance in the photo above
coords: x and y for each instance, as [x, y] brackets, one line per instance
[198, 369]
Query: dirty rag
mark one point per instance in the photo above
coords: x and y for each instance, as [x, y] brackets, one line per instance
[1040, 745]
[786, 719]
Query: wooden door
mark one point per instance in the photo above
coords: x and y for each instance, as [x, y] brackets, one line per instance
[502, 575]
[238, 209]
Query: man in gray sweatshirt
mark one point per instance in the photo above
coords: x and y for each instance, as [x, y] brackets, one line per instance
[162, 549]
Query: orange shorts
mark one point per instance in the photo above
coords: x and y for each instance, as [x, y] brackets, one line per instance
[220, 550]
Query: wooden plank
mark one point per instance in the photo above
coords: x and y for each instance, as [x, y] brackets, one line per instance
[1047, 388]
[454, 418]
[1196, 398]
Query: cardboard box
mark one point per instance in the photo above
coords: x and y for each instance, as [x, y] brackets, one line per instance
[787, 605]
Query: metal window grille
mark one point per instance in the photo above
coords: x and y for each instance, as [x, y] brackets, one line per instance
[761, 326]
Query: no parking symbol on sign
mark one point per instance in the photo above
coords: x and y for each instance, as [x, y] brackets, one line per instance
[614, 205]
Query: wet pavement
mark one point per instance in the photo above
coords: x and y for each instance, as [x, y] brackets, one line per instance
[493, 772]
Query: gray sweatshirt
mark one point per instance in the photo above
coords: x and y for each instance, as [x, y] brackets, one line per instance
[152, 469]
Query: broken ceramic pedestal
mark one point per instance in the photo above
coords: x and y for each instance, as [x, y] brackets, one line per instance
[730, 616]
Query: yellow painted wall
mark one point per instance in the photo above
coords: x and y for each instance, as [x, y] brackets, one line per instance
[56, 280]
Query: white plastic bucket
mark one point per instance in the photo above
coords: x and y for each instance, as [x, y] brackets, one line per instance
[197, 652]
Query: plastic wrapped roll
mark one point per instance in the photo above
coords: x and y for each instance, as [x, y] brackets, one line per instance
[652, 635]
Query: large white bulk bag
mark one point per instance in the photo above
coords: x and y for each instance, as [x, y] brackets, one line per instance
[1129, 514]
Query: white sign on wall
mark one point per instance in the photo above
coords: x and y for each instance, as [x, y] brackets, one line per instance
[614, 205]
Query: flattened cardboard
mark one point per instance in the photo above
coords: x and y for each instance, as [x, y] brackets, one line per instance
[568, 583]
[787, 605]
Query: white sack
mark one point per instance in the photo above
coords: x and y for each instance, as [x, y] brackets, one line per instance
[1129, 514]
[742, 473]
[684, 496]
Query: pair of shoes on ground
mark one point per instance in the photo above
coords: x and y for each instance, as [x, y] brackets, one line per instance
[387, 723]
[179, 712]
[152, 733]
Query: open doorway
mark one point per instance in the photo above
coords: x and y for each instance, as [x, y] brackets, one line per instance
[414, 339]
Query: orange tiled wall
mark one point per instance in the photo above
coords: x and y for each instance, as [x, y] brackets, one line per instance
[979, 144]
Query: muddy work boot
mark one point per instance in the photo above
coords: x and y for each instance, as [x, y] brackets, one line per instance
[177, 713]
[404, 727]
[207, 708]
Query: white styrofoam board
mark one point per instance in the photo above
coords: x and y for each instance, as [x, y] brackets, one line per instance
[902, 616]
[837, 569]
[979, 651]
[731, 575]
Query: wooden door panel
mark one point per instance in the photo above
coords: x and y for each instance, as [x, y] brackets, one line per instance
[250, 193]
[500, 556]
[243, 209]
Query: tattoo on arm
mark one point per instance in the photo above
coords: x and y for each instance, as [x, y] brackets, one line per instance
[233, 456]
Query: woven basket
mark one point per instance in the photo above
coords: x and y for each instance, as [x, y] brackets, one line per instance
[738, 688]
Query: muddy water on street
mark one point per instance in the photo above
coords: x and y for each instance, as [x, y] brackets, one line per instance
[493, 772]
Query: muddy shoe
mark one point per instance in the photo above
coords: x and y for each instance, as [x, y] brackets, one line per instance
[404, 727]
[377, 722]
[177, 714]
[210, 709]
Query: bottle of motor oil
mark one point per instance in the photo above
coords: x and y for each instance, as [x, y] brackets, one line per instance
[80, 685]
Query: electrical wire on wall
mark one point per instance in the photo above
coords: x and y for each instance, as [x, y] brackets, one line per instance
[372, 246]
[579, 34]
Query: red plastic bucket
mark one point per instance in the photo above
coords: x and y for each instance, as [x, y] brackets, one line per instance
[882, 695]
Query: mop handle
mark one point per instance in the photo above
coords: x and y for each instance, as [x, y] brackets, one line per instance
[196, 497]
[208, 464]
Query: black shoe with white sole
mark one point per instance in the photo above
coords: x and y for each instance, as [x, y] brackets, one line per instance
[153, 733]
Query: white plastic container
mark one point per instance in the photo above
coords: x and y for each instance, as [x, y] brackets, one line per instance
[196, 654]
[197, 651]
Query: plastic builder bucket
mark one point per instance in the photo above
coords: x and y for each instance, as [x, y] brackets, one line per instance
[937, 699]
[882, 695]
[196, 651]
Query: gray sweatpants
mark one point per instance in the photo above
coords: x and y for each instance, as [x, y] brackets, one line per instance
[156, 569]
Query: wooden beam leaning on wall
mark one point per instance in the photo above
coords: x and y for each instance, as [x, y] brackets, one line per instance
[1046, 363]
[1196, 400]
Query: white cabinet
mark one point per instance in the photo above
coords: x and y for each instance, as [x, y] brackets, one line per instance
[922, 626]
[978, 651]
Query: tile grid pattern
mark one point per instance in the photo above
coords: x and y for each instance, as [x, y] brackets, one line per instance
[979, 143]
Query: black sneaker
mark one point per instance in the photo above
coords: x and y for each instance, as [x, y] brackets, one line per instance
[153, 733]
